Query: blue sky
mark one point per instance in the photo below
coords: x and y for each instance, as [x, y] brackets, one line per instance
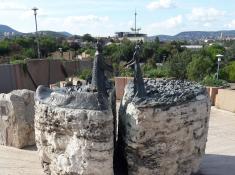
[105, 17]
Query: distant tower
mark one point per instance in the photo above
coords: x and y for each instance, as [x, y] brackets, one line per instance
[135, 29]
[37, 36]
[221, 36]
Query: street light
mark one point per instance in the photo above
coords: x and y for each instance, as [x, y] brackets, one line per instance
[164, 58]
[61, 52]
[219, 56]
[35, 9]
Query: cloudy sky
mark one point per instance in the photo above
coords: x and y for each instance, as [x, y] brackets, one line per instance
[105, 17]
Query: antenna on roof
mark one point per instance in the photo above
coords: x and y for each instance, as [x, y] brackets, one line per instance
[135, 29]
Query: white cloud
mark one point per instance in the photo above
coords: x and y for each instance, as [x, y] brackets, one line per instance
[168, 25]
[89, 19]
[206, 15]
[28, 14]
[13, 5]
[161, 4]
[231, 24]
[97, 25]
[207, 24]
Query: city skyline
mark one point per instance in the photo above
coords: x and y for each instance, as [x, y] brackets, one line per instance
[104, 18]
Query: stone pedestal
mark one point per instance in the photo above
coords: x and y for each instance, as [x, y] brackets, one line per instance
[71, 139]
[17, 119]
[166, 133]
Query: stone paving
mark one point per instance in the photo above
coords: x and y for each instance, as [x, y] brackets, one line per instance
[220, 158]
[19, 162]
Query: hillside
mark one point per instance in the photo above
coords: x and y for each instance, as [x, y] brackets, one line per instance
[197, 35]
[53, 34]
[11, 32]
[7, 29]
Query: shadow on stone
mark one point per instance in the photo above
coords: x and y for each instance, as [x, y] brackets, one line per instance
[30, 148]
[213, 164]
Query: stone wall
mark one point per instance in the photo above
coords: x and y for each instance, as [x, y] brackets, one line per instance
[74, 141]
[17, 119]
[165, 139]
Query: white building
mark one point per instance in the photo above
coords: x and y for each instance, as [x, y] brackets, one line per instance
[131, 36]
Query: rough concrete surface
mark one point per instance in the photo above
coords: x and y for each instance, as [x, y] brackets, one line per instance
[220, 158]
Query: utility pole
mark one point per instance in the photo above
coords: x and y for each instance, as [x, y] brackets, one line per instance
[37, 36]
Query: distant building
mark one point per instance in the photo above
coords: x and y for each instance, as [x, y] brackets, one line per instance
[209, 40]
[131, 36]
[84, 56]
[8, 34]
[192, 46]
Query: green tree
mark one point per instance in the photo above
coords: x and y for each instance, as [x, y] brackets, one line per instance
[88, 38]
[30, 53]
[199, 67]
[25, 42]
[4, 47]
[228, 72]
[178, 63]
[213, 50]
[47, 45]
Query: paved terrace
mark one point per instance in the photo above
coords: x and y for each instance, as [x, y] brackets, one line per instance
[220, 158]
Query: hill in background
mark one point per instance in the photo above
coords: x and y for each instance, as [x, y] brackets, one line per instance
[197, 35]
[10, 32]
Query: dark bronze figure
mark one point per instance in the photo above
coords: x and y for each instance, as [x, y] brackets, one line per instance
[139, 88]
[98, 76]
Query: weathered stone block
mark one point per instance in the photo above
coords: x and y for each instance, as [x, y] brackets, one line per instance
[17, 118]
[73, 141]
[163, 137]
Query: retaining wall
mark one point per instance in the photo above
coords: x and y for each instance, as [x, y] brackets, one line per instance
[225, 100]
[38, 72]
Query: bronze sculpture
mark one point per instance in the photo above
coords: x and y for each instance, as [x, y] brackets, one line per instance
[99, 79]
[139, 88]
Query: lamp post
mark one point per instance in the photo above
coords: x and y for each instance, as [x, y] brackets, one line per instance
[219, 56]
[37, 36]
[61, 52]
[164, 58]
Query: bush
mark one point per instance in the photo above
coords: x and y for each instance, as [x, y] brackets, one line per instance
[212, 81]
[15, 59]
[17, 62]
[126, 72]
[155, 73]
[85, 74]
